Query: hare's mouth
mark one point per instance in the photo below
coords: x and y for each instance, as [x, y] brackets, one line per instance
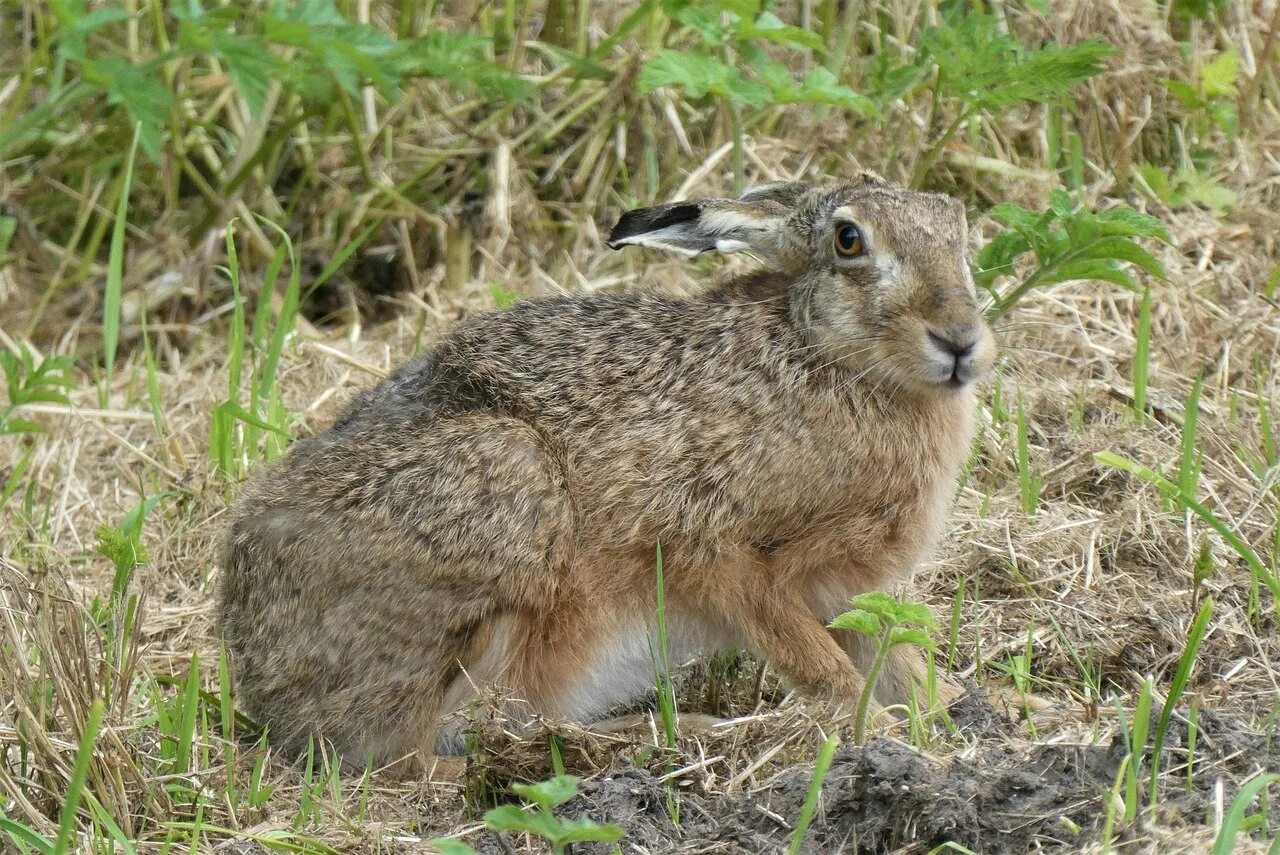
[951, 360]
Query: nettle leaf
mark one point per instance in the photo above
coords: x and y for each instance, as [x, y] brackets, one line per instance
[997, 257]
[549, 793]
[1101, 270]
[76, 22]
[989, 69]
[583, 830]
[914, 614]
[890, 82]
[903, 635]
[878, 603]
[1218, 77]
[707, 22]
[1186, 94]
[135, 87]
[769, 27]
[1126, 221]
[462, 60]
[820, 86]
[249, 64]
[311, 12]
[857, 621]
[1123, 249]
[512, 818]
[701, 74]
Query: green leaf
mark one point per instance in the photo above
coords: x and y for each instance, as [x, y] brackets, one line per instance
[1219, 77]
[1123, 249]
[1185, 93]
[143, 96]
[1092, 269]
[770, 28]
[988, 69]
[914, 614]
[903, 635]
[550, 793]
[512, 818]
[700, 74]
[250, 66]
[451, 846]
[820, 86]
[857, 621]
[879, 603]
[581, 830]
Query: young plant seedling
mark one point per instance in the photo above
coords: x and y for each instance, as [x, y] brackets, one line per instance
[539, 820]
[1067, 243]
[889, 622]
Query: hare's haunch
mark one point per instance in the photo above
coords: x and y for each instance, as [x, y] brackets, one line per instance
[489, 514]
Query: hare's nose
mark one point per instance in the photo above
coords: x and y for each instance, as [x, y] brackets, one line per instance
[956, 342]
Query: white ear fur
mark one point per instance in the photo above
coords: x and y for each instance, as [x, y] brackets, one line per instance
[691, 228]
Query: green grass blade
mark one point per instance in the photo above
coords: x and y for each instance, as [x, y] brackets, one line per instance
[1225, 843]
[79, 774]
[1142, 358]
[115, 273]
[820, 769]
[1186, 662]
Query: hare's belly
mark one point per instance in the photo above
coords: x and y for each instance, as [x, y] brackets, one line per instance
[619, 671]
[583, 681]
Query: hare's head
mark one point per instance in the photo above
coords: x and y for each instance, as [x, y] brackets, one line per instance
[877, 273]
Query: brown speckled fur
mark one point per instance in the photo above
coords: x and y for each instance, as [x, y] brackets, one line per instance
[490, 512]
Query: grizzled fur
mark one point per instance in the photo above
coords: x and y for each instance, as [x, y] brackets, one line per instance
[489, 514]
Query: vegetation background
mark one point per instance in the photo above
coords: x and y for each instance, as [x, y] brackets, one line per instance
[217, 220]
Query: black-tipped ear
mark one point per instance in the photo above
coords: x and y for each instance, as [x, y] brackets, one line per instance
[723, 225]
[634, 226]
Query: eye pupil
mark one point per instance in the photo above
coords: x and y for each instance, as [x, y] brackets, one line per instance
[848, 240]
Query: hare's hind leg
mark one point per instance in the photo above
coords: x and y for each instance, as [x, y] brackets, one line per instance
[353, 598]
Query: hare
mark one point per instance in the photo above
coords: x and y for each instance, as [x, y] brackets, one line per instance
[489, 514]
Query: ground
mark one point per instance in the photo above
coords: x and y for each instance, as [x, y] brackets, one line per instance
[1060, 573]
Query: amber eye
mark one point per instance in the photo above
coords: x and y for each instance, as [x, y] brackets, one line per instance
[848, 240]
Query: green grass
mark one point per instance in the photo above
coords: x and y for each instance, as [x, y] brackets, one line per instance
[184, 198]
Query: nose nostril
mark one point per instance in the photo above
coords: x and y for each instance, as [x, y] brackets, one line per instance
[949, 345]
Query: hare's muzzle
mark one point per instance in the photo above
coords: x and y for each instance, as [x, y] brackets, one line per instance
[957, 353]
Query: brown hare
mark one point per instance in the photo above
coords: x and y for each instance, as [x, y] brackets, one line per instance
[489, 514]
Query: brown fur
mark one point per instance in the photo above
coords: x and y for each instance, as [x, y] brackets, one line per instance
[490, 513]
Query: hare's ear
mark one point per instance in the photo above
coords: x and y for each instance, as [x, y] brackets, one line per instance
[723, 225]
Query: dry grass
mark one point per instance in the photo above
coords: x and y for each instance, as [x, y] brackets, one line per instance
[1099, 577]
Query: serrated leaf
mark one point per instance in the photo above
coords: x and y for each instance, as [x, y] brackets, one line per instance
[1123, 249]
[914, 614]
[904, 635]
[1218, 77]
[1126, 221]
[549, 793]
[512, 818]
[989, 69]
[820, 86]
[857, 621]
[582, 830]
[451, 846]
[1186, 94]
[250, 65]
[997, 257]
[1093, 269]
[700, 74]
[137, 89]
[878, 603]
[771, 28]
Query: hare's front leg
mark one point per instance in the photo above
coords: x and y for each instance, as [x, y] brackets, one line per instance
[780, 626]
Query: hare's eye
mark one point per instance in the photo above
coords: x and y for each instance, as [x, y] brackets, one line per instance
[848, 240]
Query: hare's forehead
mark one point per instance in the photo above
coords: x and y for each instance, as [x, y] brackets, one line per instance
[904, 223]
